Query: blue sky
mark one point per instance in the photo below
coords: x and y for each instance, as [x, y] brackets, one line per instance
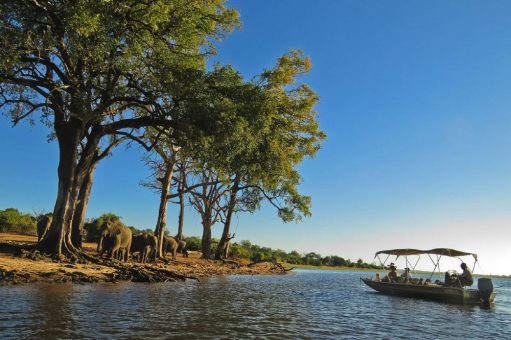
[415, 101]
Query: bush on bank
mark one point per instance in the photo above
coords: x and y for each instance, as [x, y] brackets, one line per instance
[13, 221]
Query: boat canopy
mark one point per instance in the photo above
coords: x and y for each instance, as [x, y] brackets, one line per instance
[437, 251]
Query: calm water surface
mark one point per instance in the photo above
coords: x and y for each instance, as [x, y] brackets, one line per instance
[308, 304]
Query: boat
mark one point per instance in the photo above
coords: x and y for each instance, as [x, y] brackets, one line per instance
[427, 289]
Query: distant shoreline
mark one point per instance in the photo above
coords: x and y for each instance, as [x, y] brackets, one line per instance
[355, 269]
[341, 268]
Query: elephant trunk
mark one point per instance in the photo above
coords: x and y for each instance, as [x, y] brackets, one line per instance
[100, 244]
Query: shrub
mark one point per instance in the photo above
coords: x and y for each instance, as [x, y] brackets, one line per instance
[13, 221]
[193, 243]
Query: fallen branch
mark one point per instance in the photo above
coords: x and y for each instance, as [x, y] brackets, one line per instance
[273, 261]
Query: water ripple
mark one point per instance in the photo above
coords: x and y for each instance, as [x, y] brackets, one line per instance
[307, 305]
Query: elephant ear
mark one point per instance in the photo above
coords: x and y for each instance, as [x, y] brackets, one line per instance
[114, 229]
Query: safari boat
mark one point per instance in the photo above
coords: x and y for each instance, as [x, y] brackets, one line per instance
[437, 291]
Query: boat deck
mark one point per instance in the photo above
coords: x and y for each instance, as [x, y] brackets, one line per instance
[429, 291]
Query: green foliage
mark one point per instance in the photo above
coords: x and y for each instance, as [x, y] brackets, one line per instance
[193, 243]
[13, 221]
[312, 259]
[94, 226]
[84, 45]
[247, 250]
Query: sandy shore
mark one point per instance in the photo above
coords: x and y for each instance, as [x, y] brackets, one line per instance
[16, 267]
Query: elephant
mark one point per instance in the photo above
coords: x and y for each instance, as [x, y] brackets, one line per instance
[43, 225]
[170, 245]
[145, 245]
[181, 248]
[115, 238]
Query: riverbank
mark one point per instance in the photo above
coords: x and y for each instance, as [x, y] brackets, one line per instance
[345, 268]
[20, 266]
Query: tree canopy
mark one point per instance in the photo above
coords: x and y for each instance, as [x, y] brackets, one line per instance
[101, 68]
[99, 72]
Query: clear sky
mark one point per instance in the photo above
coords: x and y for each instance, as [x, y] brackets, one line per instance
[416, 105]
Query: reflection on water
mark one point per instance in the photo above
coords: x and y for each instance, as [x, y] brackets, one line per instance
[309, 304]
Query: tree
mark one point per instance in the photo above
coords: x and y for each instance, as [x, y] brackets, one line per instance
[280, 130]
[181, 191]
[168, 154]
[84, 193]
[94, 69]
[217, 139]
[205, 199]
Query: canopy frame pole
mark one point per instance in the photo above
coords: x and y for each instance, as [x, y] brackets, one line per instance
[437, 264]
[416, 262]
[382, 263]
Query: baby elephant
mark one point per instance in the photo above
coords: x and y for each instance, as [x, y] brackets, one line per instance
[145, 245]
[43, 225]
[181, 248]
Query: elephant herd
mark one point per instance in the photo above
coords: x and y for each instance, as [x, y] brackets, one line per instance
[119, 242]
[116, 239]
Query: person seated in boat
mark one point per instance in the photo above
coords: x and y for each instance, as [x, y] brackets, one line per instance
[465, 278]
[460, 280]
[406, 275]
[392, 275]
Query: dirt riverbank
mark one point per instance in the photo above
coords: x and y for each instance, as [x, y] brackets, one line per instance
[21, 266]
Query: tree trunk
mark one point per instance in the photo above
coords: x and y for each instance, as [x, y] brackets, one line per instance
[179, 235]
[81, 208]
[221, 250]
[161, 223]
[206, 238]
[57, 240]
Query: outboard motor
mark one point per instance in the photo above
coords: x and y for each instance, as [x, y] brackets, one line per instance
[485, 286]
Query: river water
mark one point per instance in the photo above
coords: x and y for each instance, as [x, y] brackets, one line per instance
[308, 304]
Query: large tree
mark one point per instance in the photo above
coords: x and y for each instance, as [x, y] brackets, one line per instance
[258, 132]
[97, 68]
[282, 131]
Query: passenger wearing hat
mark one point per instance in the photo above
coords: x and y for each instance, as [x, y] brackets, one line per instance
[392, 275]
